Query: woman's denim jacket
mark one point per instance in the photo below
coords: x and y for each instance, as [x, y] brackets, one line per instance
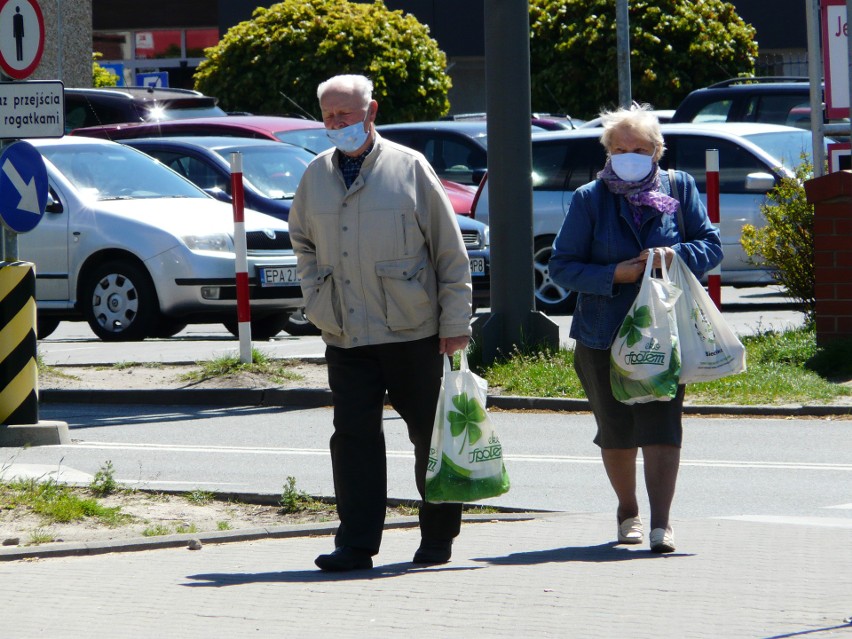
[599, 232]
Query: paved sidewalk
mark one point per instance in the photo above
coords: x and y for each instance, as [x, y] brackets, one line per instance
[554, 575]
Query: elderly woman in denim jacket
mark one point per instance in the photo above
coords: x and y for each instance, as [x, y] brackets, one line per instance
[601, 252]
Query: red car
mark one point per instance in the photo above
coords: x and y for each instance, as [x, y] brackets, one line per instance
[308, 134]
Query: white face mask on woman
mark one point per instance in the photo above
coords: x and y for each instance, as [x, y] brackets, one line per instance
[350, 138]
[631, 167]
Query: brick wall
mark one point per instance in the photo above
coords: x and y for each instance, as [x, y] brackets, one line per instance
[831, 196]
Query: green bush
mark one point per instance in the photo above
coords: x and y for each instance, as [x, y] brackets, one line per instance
[285, 51]
[102, 77]
[675, 46]
[785, 245]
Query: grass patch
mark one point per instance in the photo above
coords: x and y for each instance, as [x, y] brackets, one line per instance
[123, 366]
[157, 530]
[294, 500]
[56, 503]
[199, 497]
[783, 367]
[261, 364]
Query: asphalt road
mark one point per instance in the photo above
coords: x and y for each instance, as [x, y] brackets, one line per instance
[732, 467]
[785, 470]
[748, 310]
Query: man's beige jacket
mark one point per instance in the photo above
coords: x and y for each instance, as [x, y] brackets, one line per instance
[383, 261]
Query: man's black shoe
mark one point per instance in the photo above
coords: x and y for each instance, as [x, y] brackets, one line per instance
[434, 551]
[345, 558]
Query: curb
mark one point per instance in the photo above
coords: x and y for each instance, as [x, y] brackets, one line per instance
[80, 549]
[319, 398]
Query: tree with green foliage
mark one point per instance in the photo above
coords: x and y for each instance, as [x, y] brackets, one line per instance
[785, 244]
[102, 77]
[675, 46]
[276, 60]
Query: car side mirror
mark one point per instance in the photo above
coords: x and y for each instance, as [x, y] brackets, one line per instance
[53, 205]
[760, 182]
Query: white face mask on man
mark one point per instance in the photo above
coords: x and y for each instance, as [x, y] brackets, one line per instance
[631, 167]
[350, 138]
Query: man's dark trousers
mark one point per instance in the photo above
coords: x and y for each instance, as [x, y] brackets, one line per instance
[411, 374]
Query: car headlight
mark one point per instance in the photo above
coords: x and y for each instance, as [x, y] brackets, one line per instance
[486, 237]
[220, 242]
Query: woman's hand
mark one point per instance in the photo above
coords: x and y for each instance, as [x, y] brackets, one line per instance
[633, 269]
[629, 270]
[668, 251]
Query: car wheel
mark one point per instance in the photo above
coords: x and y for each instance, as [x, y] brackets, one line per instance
[167, 327]
[298, 324]
[120, 303]
[45, 326]
[262, 328]
[550, 298]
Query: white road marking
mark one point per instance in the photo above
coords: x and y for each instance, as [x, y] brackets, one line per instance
[822, 522]
[841, 506]
[559, 459]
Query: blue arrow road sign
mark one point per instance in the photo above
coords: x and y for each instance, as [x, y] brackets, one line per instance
[23, 187]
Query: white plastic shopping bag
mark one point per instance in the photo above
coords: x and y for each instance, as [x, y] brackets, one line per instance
[466, 457]
[709, 349]
[645, 357]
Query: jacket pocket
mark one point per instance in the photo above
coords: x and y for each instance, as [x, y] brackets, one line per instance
[407, 304]
[322, 306]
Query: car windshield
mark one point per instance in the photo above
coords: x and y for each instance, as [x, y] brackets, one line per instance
[785, 146]
[274, 170]
[111, 172]
[314, 140]
[165, 113]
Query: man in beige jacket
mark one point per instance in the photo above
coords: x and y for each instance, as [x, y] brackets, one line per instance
[385, 276]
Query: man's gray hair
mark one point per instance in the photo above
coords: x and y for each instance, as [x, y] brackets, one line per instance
[355, 84]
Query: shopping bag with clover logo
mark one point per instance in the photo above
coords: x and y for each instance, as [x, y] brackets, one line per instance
[466, 457]
[709, 349]
[645, 357]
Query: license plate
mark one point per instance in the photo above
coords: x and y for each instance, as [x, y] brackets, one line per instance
[477, 266]
[278, 276]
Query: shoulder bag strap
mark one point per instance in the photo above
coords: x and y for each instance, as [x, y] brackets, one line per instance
[676, 195]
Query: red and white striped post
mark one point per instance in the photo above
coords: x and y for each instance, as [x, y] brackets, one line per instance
[714, 277]
[241, 262]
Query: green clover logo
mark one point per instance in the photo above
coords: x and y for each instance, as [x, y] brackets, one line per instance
[470, 414]
[641, 318]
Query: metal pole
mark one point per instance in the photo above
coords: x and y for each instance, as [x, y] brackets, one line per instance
[714, 276]
[512, 321]
[241, 261]
[815, 76]
[622, 28]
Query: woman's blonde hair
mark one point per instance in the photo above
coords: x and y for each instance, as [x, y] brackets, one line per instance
[639, 120]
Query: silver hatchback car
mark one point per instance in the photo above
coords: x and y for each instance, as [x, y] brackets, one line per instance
[138, 251]
[752, 157]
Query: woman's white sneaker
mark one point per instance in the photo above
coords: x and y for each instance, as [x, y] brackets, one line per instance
[630, 531]
[662, 540]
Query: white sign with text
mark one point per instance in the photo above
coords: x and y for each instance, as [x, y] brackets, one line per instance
[835, 39]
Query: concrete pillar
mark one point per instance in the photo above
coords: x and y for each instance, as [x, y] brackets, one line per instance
[67, 42]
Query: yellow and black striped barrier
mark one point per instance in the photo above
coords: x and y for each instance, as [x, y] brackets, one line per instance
[18, 341]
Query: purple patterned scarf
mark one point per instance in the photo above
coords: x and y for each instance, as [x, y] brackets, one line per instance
[644, 193]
